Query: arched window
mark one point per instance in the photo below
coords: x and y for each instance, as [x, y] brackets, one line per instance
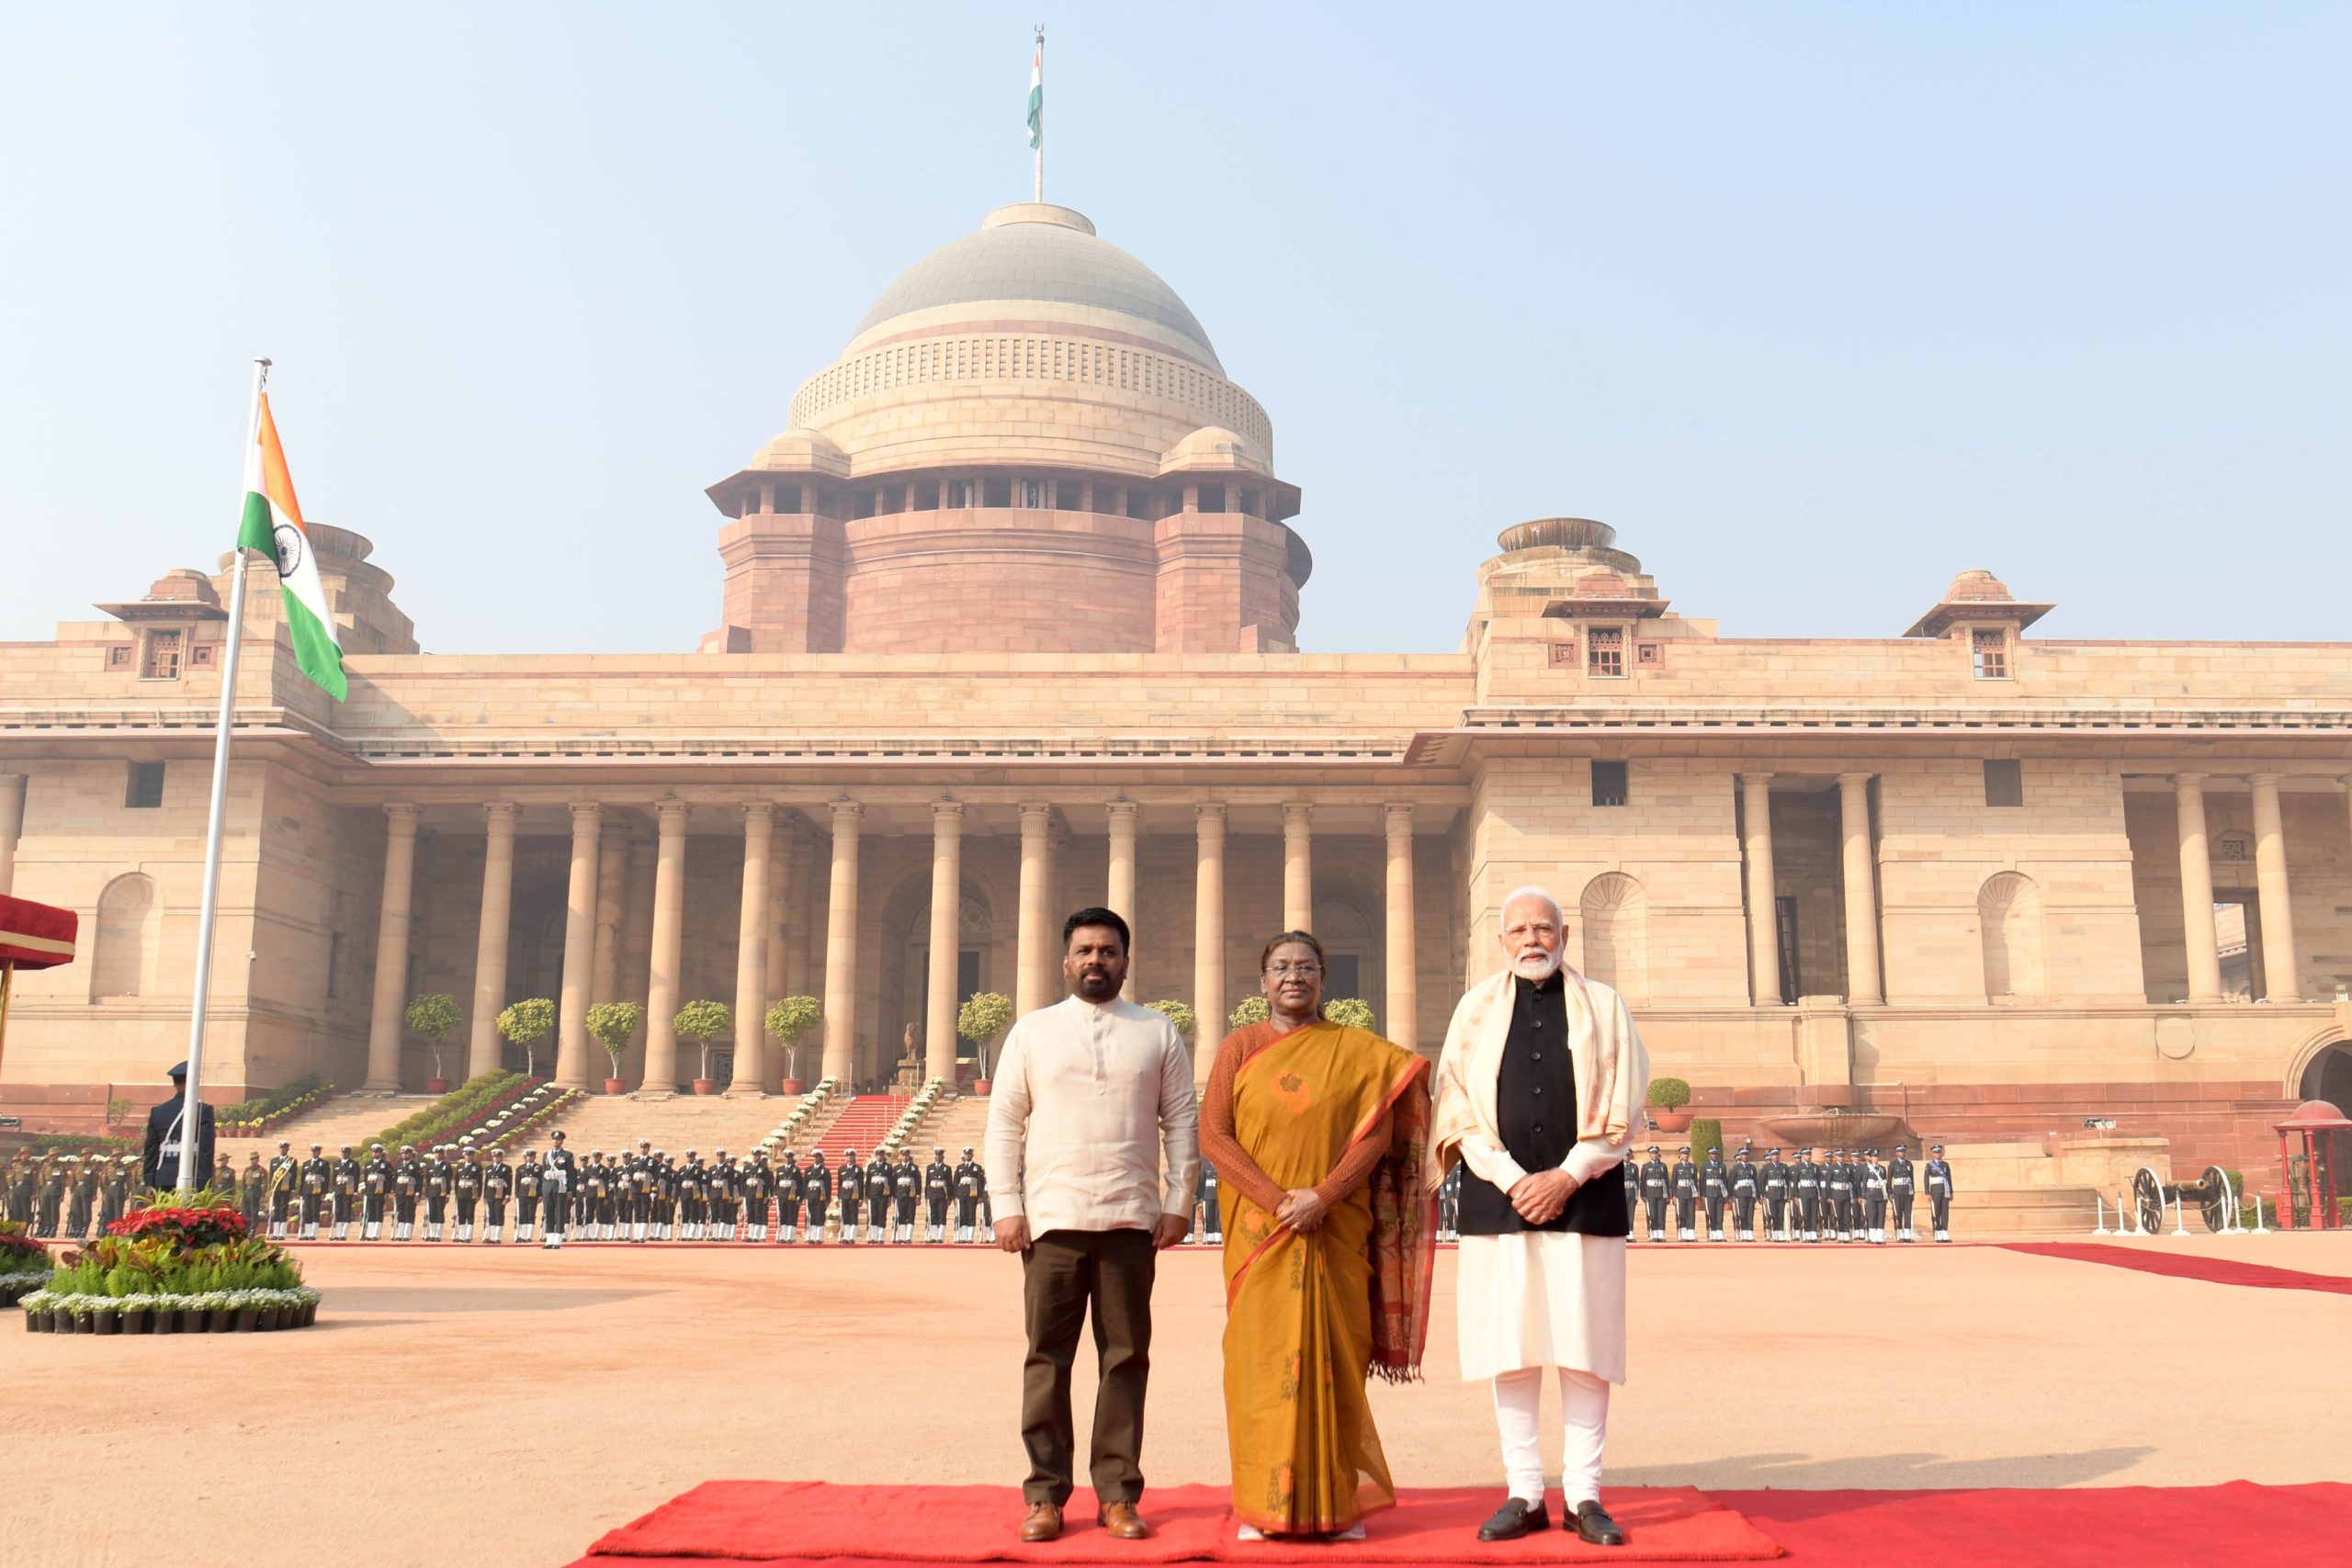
[1615, 916]
[1351, 946]
[2008, 917]
[128, 918]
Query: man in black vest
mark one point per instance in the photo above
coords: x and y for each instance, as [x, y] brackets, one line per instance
[497, 1186]
[167, 1124]
[906, 1187]
[1805, 1182]
[346, 1182]
[878, 1197]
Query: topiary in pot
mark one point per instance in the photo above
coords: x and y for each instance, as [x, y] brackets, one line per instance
[1668, 1100]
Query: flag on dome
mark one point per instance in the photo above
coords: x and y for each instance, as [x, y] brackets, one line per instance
[272, 524]
[1037, 95]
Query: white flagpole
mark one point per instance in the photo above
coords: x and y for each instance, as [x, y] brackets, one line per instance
[190, 1111]
[1040, 196]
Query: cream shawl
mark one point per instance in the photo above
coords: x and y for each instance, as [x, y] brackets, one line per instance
[1613, 1070]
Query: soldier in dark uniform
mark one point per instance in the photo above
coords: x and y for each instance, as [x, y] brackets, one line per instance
[315, 1176]
[1211, 1211]
[285, 1180]
[693, 1202]
[815, 1197]
[726, 1194]
[376, 1179]
[497, 1186]
[667, 1194]
[971, 1180]
[81, 1199]
[346, 1194]
[1686, 1196]
[1901, 1187]
[1776, 1197]
[49, 1205]
[1746, 1186]
[529, 1177]
[1449, 1206]
[159, 1162]
[116, 1201]
[1715, 1192]
[556, 1173]
[469, 1193]
[906, 1187]
[251, 1183]
[1655, 1183]
[224, 1176]
[440, 1182]
[1874, 1198]
[1939, 1191]
[787, 1199]
[24, 1180]
[1632, 1170]
[1840, 1178]
[877, 1198]
[1852, 1208]
[938, 1183]
[408, 1185]
[1804, 1184]
[848, 1190]
[759, 1192]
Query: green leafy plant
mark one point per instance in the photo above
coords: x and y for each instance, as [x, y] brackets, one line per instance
[1347, 1012]
[700, 1021]
[980, 1020]
[527, 1023]
[610, 1022]
[1706, 1137]
[1175, 1012]
[1670, 1094]
[789, 1021]
[307, 1089]
[1253, 1009]
[434, 1016]
[118, 1109]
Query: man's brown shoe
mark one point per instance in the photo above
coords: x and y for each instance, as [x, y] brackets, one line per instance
[1122, 1520]
[1044, 1523]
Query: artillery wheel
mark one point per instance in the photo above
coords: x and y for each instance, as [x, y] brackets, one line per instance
[2148, 1202]
[2215, 1201]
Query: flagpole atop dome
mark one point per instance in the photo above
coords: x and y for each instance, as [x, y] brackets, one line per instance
[1038, 112]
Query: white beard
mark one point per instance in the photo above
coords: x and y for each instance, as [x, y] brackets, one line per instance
[1536, 967]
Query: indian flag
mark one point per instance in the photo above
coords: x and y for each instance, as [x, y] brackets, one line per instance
[272, 524]
[1037, 97]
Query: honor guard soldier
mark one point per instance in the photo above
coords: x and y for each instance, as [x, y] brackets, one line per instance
[906, 1187]
[1849, 1204]
[1900, 1188]
[284, 1173]
[529, 1177]
[638, 1178]
[604, 1184]
[815, 1197]
[1633, 1197]
[440, 1182]
[469, 1193]
[1686, 1196]
[787, 1199]
[727, 1193]
[408, 1184]
[224, 1176]
[1449, 1206]
[316, 1176]
[756, 1182]
[878, 1183]
[971, 1180]
[1746, 1188]
[1776, 1197]
[1804, 1191]
[49, 1209]
[938, 1184]
[82, 1197]
[1939, 1190]
[1654, 1182]
[1212, 1209]
[1874, 1198]
[375, 1190]
[1715, 1192]
[114, 1199]
[848, 1191]
[252, 1182]
[693, 1207]
[497, 1186]
[1839, 1178]
[24, 1178]
[556, 1173]
[345, 1183]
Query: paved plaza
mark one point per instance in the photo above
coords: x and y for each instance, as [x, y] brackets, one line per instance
[506, 1406]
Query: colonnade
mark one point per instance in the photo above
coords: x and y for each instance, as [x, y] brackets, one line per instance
[778, 910]
[1857, 880]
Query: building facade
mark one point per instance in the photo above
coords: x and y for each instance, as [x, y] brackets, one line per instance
[1007, 625]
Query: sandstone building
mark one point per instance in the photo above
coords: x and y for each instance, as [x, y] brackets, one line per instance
[1007, 624]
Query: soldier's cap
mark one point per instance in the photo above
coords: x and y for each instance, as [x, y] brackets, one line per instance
[720, 1154]
[940, 1150]
[557, 1134]
[1652, 1148]
[1773, 1151]
[408, 1149]
[346, 1147]
[317, 1146]
[285, 1143]
[967, 1148]
[1935, 1149]
[1683, 1150]
[375, 1146]
[177, 1073]
[690, 1154]
[645, 1143]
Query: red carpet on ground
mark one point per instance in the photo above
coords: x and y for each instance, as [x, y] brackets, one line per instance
[794, 1523]
[2182, 1266]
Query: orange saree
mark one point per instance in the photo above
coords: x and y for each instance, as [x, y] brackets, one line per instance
[1310, 1315]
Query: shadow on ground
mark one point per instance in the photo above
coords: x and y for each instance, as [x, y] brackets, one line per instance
[1796, 1471]
[488, 1297]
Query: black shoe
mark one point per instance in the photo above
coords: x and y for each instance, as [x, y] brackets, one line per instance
[1516, 1518]
[1593, 1523]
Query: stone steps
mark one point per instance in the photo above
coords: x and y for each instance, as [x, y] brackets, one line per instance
[351, 1119]
[2019, 1211]
[705, 1124]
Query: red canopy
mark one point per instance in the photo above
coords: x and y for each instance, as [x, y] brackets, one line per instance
[36, 936]
[2316, 1116]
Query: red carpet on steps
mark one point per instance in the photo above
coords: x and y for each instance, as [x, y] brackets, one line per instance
[797, 1522]
[2212, 1270]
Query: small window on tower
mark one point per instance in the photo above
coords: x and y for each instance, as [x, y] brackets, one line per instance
[996, 492]
[1605, 650]
[200, 655]
[1649, 653]
[163, 655]
[144, 792]
[118, 656]
[1990, 645]
[1033, 494]
[1607, 783]
[2004, 781]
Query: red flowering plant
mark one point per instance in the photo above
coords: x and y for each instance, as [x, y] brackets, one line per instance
[18, 1250]
[187, 1227]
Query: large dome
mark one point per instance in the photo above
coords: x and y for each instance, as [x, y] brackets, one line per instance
[1033, 252]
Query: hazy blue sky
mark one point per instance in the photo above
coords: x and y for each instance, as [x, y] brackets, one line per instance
[1818, 304]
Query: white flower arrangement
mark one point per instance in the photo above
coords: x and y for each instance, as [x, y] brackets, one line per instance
[209, 1300]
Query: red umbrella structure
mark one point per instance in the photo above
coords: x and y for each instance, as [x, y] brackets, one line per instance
[32, 936]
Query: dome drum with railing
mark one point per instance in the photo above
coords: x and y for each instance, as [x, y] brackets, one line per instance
[1029, 444]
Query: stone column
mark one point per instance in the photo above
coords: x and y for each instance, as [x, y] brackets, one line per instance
[664, 965]
[2197, 889]
[1208, 937]
[1298, 868]
[391, 950]
[1034, 957]
[1860, 880]
[2282, 968]
[1763, 917]
[483, 1048]
[778, 917]
[840, 947]
[752, 953]
[637, 946]
[612, 872]
[946, 940]
[12, 827]
[800, 947]
[571, 1041]
[1122, 881]
[1403, 1003]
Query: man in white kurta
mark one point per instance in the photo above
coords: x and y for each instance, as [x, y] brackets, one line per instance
[1538, 1091]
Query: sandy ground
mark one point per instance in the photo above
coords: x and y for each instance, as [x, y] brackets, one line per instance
[503, 1406]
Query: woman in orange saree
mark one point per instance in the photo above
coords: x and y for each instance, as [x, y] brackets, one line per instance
[1318, 1134]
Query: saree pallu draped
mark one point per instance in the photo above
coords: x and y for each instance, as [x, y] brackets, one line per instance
[1310, 1315]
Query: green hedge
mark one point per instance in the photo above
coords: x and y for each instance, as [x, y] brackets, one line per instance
[1706, 1134]
[457, 1105]
[269, 1104]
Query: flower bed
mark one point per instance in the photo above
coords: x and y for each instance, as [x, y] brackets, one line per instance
[23, 1263]
[507, 1119]
[186, 1265]
[787, 1132]
[248, 1310]
[256, 1117]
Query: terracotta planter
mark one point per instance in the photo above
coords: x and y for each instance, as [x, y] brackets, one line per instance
[792, 1086]
[1672, 1119]
[436, 1086]
[615, 1086]
[980, 1087]
[705, 1086]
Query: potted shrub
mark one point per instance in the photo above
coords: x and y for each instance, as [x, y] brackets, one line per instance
[434, 1016]
[1252, 1010]
[987, 1015]
[1349, 1012]
[789, 1021]
[527, 1023]
[1670, 1104]
[701, 1022]
[611, 1024]
[1176, 1013]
